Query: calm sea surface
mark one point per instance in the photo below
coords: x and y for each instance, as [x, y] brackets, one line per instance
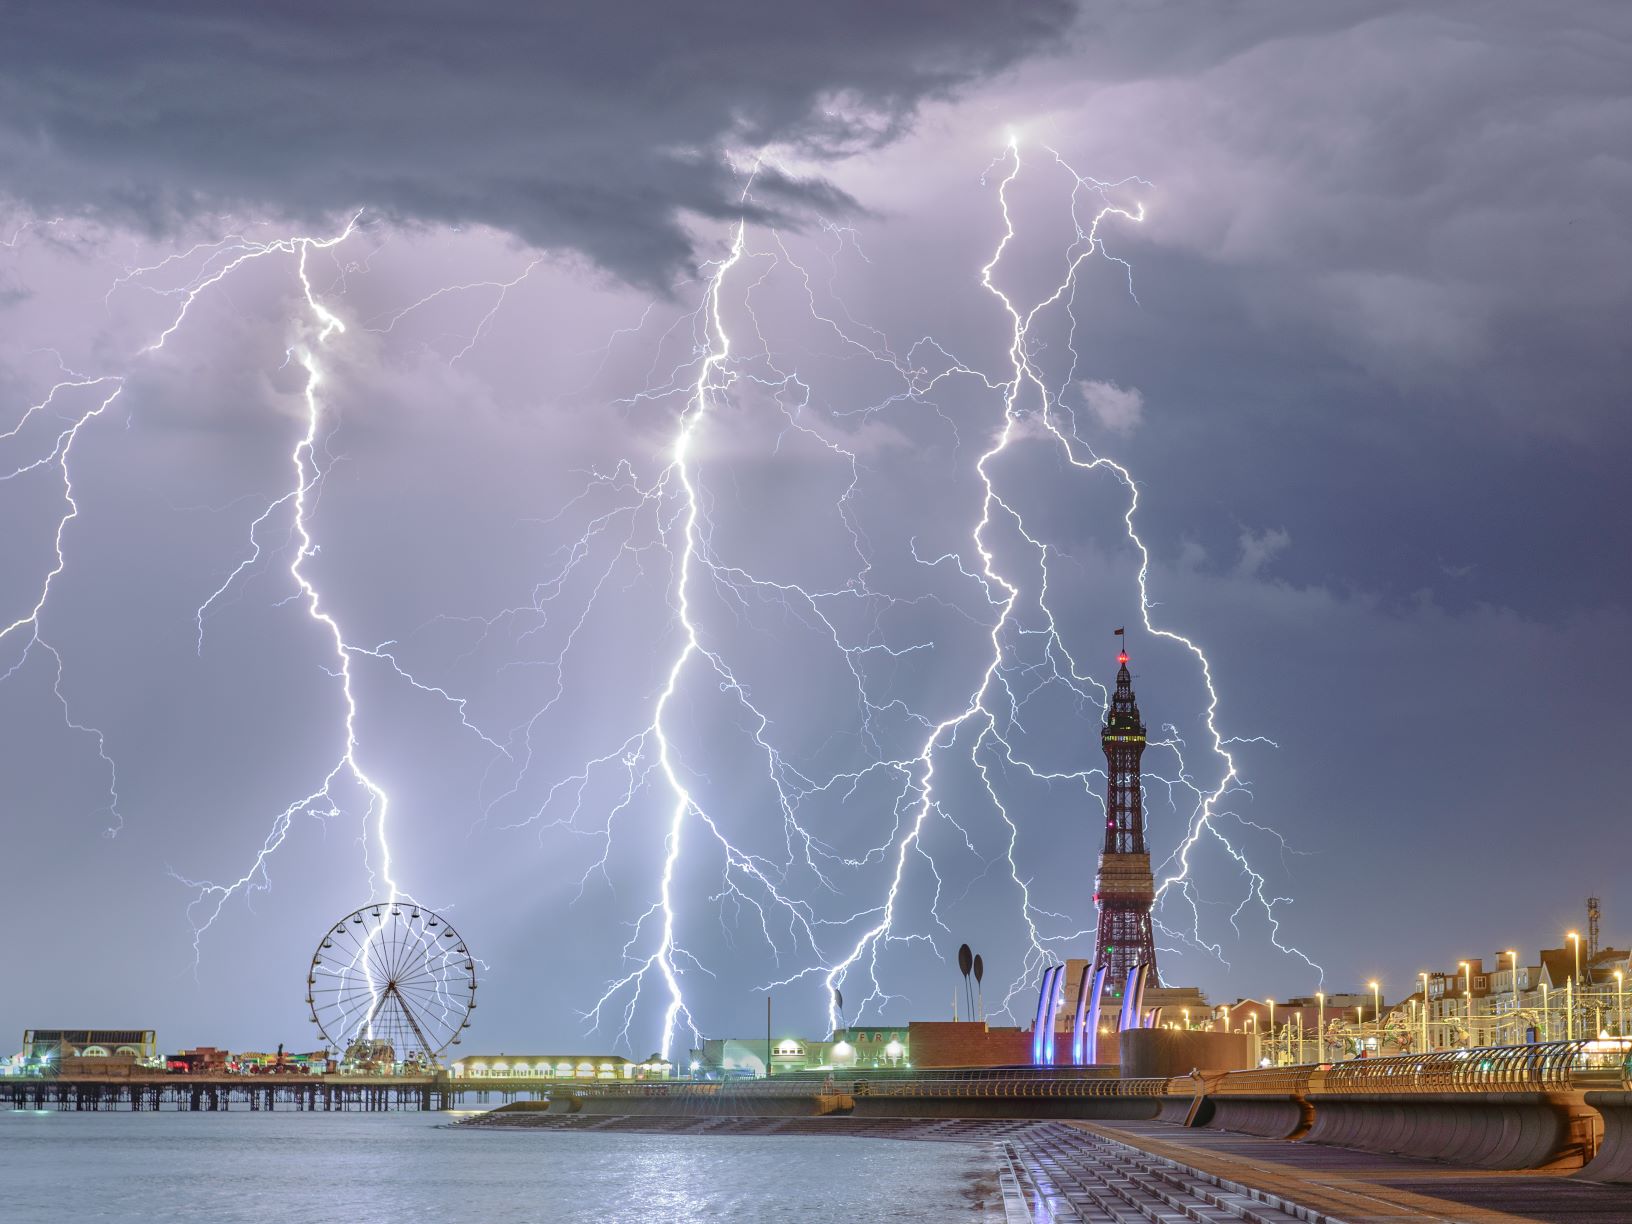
[181, 1168]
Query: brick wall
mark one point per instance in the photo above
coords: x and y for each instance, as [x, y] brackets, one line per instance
[943, 1043]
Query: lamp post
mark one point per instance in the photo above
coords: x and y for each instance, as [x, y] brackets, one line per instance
[1575, 938]
[1546, 1015]
[1377, 1013]
[1320, 1026]
[1467, 990]
[1274, 1053]
[1513, 959]
[1424, 978]
[1569, 1010]
[1620, 1005]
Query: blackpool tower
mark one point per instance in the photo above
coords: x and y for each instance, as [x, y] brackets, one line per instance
[1125, 887]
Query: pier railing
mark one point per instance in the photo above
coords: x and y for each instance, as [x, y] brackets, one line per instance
[1290, 1081]
[1012, 1086]
[1550, 1067]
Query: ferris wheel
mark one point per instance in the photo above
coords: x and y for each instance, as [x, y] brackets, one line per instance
[392, 982]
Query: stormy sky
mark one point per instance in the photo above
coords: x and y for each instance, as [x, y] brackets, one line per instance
[1354, 319]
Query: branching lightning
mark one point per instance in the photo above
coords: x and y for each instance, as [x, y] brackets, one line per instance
[824, 905]
[979, 730]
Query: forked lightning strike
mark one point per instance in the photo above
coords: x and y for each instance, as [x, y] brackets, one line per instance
[980, 725]
[670, 517]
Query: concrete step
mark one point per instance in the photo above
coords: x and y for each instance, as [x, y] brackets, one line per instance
[1066, 1175]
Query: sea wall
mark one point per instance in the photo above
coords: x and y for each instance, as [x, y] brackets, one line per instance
[1489, 1130]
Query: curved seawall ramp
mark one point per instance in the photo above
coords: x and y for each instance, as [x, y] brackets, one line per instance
[1494, 1130]
[1270, 1115]
[1613, 1163]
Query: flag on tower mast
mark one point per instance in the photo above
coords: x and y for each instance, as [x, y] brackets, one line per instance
[1119, 632]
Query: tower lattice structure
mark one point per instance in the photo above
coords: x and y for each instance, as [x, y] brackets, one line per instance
[1125, 888]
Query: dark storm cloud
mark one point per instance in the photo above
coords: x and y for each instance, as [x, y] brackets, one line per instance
[1434, 195]
[591, 126]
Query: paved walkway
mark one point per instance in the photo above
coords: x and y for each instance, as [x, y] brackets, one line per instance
[1060, 1173]
[1364, 1188]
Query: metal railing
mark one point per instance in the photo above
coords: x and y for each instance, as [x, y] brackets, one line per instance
[1550, 1067]
[1270, 1080]
[1013, 1086]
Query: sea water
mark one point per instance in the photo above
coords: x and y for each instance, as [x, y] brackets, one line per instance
[404, 1168]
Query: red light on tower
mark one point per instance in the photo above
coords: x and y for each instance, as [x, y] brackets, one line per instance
[1122, 658]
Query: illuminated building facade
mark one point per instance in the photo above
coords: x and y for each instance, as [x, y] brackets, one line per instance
[559, 1067]
[40, 1045]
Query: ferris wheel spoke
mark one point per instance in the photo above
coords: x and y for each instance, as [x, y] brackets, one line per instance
[389, 949]
[410, 1019]
[430, 1002]
[427, 973]
[414, 961]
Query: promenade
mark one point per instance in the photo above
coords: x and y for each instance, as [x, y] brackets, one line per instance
[1359, 1187]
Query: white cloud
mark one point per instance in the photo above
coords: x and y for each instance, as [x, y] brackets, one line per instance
[1118, 409]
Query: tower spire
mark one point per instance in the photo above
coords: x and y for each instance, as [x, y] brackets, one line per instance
[1125, 887]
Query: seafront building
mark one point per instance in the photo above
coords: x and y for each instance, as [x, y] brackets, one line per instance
[45, 1045]
[561, 1067]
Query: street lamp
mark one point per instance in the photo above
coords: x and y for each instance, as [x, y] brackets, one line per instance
[1467, 977]
[1320, 1026]
[1424, 978]
[1620, 1005]
[1575, 938]
[1377, 1013]
[1272, 1051]
[1513, 958]
[1546, 1015]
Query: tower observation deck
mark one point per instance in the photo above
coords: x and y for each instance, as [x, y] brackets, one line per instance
[1125, 889]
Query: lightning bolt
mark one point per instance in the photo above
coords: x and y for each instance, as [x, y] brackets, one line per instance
[28, 625]
[663, 528]
[306, 476]
[297, 500]
[1005, 592]
[674, 510]
[207, 265]
[1204, 822]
